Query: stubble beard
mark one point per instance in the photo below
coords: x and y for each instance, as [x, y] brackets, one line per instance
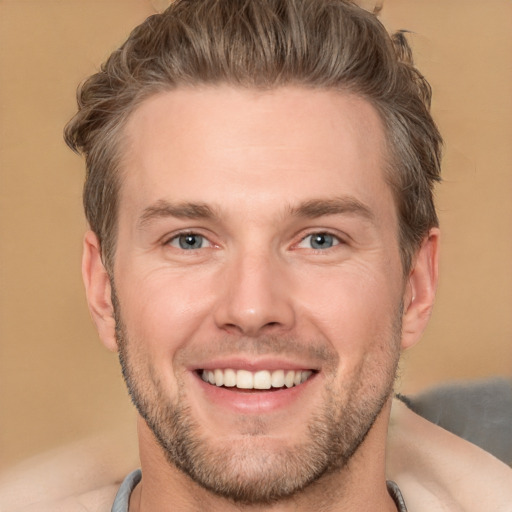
[247, 471]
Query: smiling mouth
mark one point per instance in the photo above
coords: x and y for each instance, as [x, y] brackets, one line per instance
[260, 380]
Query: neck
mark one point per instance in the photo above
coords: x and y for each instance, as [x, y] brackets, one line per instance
[359, 486]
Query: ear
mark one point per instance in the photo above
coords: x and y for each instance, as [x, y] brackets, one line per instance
[98, 291]
[420, 290]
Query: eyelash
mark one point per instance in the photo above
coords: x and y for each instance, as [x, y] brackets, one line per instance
[336, 240]
[177, 237]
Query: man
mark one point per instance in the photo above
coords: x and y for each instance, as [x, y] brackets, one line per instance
[263, 246]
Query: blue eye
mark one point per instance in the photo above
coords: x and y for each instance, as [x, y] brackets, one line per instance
[319, 241]
[188, 241]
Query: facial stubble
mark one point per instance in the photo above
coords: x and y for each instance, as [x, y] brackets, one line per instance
[248, 471]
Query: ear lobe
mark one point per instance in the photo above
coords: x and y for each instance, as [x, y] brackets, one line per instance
[421, 290]
[98, 291]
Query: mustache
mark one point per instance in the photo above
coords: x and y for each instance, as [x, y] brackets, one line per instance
[315, 351]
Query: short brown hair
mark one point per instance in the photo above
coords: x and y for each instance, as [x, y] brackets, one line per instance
[263, 44]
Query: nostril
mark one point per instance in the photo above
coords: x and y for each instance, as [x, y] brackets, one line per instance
[232, 329]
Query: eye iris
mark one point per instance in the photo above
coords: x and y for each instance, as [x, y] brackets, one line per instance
[190, 241]
[321, 241]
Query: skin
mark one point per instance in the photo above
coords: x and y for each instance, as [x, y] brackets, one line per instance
[272, 169]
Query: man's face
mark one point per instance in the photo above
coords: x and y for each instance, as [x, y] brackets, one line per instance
[257, 247]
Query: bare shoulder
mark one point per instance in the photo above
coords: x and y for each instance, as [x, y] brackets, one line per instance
[83, 476]
[437, 470]
[98, 500]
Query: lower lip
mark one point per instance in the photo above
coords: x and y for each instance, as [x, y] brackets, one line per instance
[254, 401]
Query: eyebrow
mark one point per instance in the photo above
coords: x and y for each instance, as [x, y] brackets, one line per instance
[311, 209]
[336, 206]
[162, 209]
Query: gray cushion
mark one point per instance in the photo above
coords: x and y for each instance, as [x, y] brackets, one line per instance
[478, 411]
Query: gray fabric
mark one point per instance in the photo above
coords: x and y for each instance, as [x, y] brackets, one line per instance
[123, 495]
[478, 411]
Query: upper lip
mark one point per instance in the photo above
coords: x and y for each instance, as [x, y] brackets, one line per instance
[254, 364]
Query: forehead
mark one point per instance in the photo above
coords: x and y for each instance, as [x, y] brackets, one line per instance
[233, 146]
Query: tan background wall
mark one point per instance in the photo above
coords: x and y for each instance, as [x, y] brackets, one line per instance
[57, 383]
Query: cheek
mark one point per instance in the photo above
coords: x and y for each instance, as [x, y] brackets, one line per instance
[162, 311]
[355, 309]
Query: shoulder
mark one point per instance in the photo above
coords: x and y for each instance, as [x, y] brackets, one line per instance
[98, 500]
[436, 470]
[82, 477]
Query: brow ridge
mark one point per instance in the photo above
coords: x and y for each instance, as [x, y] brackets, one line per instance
[183, 210]
[339, 205]
[313, 208]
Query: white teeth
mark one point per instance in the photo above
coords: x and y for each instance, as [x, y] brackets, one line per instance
[289, 379]
[262, 379]
[305, 375]
[229, 378]
[278, 379]
[244, 379]
[219, 377]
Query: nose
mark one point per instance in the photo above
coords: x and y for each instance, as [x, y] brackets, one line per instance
[256, 298]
